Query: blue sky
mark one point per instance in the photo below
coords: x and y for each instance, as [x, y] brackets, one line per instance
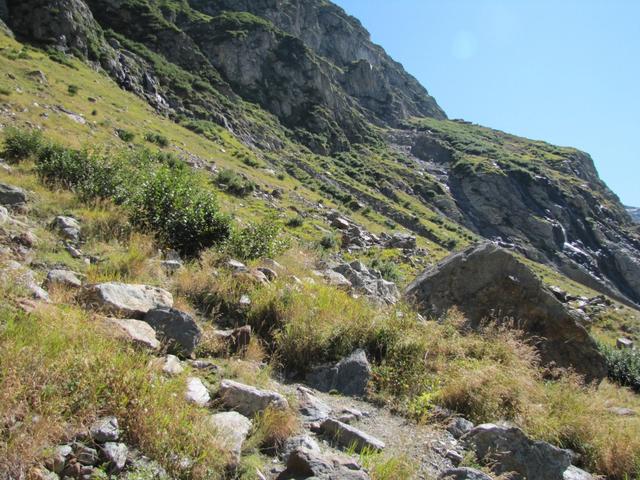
[564, 71]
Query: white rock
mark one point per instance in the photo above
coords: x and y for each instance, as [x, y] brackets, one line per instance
[137, 331]
[127, 300]
[249, 400]
[233, 429]
[197, 392]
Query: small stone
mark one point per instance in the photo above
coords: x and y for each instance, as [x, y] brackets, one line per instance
[115, 454]
[464, 474]
[249, 400]
[105, 430]
[459, 426]
[236, 266]
[172, 366]
[197, 393]
[310, 407]
[245, 302]
[299, 441]
[624, 344]
[350, 376]
[233, 428]
[271, 275]
[137, 331]
[87, 456]
[62, 278]
[59, 458]
[27, 239]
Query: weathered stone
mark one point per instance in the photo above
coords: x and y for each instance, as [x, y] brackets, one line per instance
[464, 473]
[27, 239]
[336, 279]
[249, 400]
[269, 273]
[372, 285]
[459, 426]
[487, 281]
[68, 226]
[233, 429]
[115, 454]
[299, 441]
[348, 436]
[62, 278]
[179, 329]
[234, 340]
[574, 473]
[105, 430]
[26, 278]
[508, 449]
[305, 463]
[136, 331]
[59, 458]
[172, 366]
[11, 196]
[310, 407]
[87, 456]
[197, 392]
[340, 223]
[402, 240]
[350, 376]
[236, 266]
[126, 300]
[624, 343]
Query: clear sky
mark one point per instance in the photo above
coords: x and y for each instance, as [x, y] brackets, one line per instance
[563, 71]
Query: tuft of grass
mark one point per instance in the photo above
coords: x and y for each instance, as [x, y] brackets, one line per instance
[272, 428]
[381, 466]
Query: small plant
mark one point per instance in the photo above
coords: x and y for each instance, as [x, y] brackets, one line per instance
[125, 135]
[20, 144]
[234, 183]
[156, 138]
[5, 91]
[329, 241]
[295, 222]
[73, 90]
[623, 366]
[257, 240]
[388, 269]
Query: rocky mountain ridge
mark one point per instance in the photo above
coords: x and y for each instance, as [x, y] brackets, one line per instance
[635, 213]
[320, 83]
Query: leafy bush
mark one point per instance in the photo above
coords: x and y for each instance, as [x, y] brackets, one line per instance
[257, 240]
[623, 366]
[182, 215]
[234, 183]
[156, 138]
[295, 222]
[20, 144]
[329, 241]
[125, 135]
[73, 90]
[388, 269]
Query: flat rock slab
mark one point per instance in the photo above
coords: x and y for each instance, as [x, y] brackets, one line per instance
[311, 408]
[136, 331]
[197, 393]
[127, 300]
[105, 429]
[63, 278]
[306, 463]
[348, 436]
[464, 473]
[249, 400]
[234, 429]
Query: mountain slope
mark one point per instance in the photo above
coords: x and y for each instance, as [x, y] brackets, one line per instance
[288, 76]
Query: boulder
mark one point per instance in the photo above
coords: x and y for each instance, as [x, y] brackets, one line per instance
[402, 240]
[197, 393]
[299, 441]
[62, 278]
[623, 343]
[115, 455]
[11, 196]
[350, 437]
[127, 300]
[350, 376]
[249, 400]
[269, 273]
[137, 331]
[105, 430]
[463, 473]
[233, 429]
[367, 282]
[574, 473]
[58, 459]
[508, 449]
[27, 239]
[234, 340]
[336, 279]
[488, 282]
[25, 278]
[459, 426]
[177, 328]
[305, 463]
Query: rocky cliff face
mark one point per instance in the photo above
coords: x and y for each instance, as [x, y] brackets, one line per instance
[635, 213]
[284, 76]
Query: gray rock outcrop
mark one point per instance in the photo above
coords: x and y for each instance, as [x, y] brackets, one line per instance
[233, 429]
[249, 400]
[350, 376]
[11, 196]
[126, 300]
[177, 328]
[488, 282]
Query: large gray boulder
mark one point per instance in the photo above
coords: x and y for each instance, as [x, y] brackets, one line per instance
[488, 282]
[233, 429]
[179, 329]
[311, 408]
[11, 196]
[62, 278]
[508, 449]
[350, 376]
[249, 400]
[126, 300]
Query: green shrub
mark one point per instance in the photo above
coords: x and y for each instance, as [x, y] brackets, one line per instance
[125, 135]
[73, 89]
[295, 222]
[257, 240]
[182, 215]
[388, 269]
[20, 144]
[156, 138]
[234, 183]
[623, 366]
[329, 241]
